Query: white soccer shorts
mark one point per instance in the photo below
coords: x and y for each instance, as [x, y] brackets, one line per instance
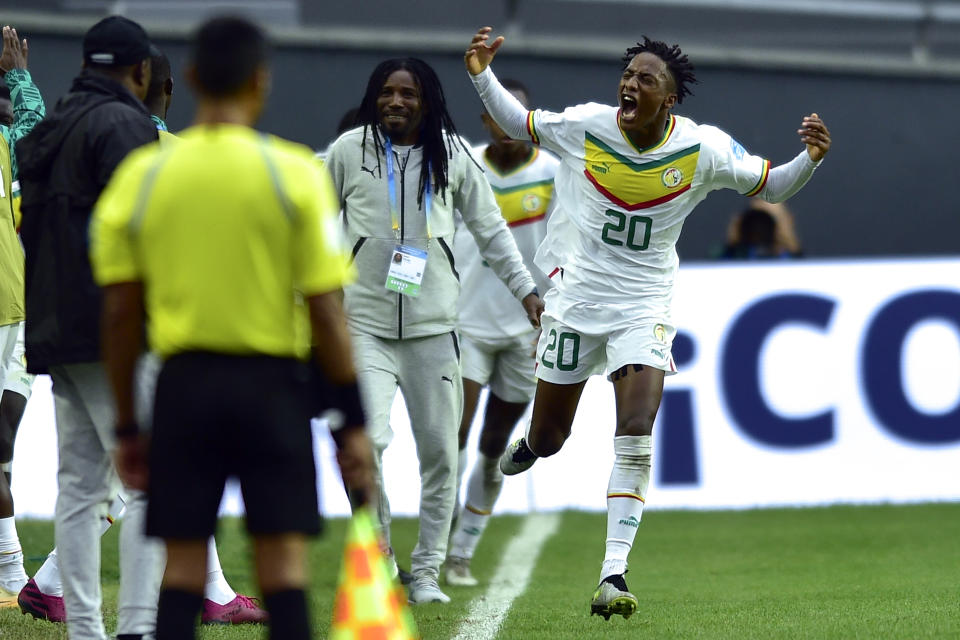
[566, 356]
[506, 365]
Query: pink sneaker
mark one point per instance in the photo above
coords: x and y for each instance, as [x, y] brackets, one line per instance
[240, 610]
[40, 605]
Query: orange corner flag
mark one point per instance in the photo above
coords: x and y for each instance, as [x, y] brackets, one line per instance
[370, 605]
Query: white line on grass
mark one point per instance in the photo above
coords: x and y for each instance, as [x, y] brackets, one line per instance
[513, 573]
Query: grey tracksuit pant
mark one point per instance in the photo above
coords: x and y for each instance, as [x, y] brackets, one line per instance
[427, 372]
[87, 483]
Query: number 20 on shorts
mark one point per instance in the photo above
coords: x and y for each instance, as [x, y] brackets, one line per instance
[557, 342]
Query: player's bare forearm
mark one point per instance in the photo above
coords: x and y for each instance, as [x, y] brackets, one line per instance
[815, 135]
[329, 324]
[479, 54]
[122, 343]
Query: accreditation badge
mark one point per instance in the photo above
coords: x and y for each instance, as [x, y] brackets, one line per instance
[407, 266]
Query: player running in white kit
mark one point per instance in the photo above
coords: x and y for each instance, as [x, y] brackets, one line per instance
[629, 176]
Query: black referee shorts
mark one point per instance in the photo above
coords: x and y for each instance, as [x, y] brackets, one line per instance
[217, 416]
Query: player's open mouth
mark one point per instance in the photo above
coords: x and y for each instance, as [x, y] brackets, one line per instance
[628, 107]
[394, 117]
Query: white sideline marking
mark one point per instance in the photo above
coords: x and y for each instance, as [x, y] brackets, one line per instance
[513, 573]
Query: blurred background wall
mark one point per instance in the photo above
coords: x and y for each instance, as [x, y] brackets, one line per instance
[884, 74]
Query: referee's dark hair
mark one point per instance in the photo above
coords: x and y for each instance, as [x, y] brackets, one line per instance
[227, 51]
[437, 131]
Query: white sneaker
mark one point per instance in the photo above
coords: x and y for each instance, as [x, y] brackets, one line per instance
[426, 590]
[458, 572]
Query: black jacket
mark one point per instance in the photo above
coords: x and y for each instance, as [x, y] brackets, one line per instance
[64, 165]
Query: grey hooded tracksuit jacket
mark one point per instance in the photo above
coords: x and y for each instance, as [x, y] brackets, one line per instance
[411, 342]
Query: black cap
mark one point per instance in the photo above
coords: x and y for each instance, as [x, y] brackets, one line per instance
[115, 41]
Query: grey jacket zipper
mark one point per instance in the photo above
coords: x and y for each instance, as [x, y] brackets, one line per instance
[403, 200]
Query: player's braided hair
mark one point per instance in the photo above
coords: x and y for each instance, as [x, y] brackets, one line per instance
[436, 129]
[677, 62]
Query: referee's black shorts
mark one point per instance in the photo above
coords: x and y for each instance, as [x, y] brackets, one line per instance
[217, 416]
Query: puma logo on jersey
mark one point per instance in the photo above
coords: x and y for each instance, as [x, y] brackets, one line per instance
[601, 168]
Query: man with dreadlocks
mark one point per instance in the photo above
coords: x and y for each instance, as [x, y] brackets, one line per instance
[400, 176]
[629, 177]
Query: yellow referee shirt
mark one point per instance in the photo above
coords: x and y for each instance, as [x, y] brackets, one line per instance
[227, 230]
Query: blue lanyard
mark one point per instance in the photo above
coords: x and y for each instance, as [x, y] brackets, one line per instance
[392, 187]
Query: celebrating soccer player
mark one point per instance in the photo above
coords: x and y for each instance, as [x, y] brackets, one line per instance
[630, 174]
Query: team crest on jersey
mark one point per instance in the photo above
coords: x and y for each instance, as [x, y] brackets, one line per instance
[530, 202]
[524, 203]
[672, 178]
[660, 333]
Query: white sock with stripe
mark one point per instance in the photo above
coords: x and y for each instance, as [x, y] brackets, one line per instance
[9, 540]
[483, 489]
[217, 588]
[12, 575]
[47, 576]
[626, 493]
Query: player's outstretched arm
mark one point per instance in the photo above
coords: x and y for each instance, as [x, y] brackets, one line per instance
[28, 107]
[502, 105]
[479, 54]
[787, 179]
[814, 133]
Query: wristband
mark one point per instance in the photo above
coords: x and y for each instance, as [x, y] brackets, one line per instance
[345, 398]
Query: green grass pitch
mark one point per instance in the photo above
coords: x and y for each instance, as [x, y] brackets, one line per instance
[832, 573]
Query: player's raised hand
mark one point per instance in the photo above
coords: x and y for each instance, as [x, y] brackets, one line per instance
[479, 54]
[14, 55]
[814, 133]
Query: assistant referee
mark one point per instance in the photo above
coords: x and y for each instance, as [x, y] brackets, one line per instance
[228, 241]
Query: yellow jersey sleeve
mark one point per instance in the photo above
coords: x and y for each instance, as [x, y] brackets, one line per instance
[321, 260]
[112, 251]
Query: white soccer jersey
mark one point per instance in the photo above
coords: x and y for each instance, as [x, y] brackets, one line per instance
[624, 208]
[525, 195]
